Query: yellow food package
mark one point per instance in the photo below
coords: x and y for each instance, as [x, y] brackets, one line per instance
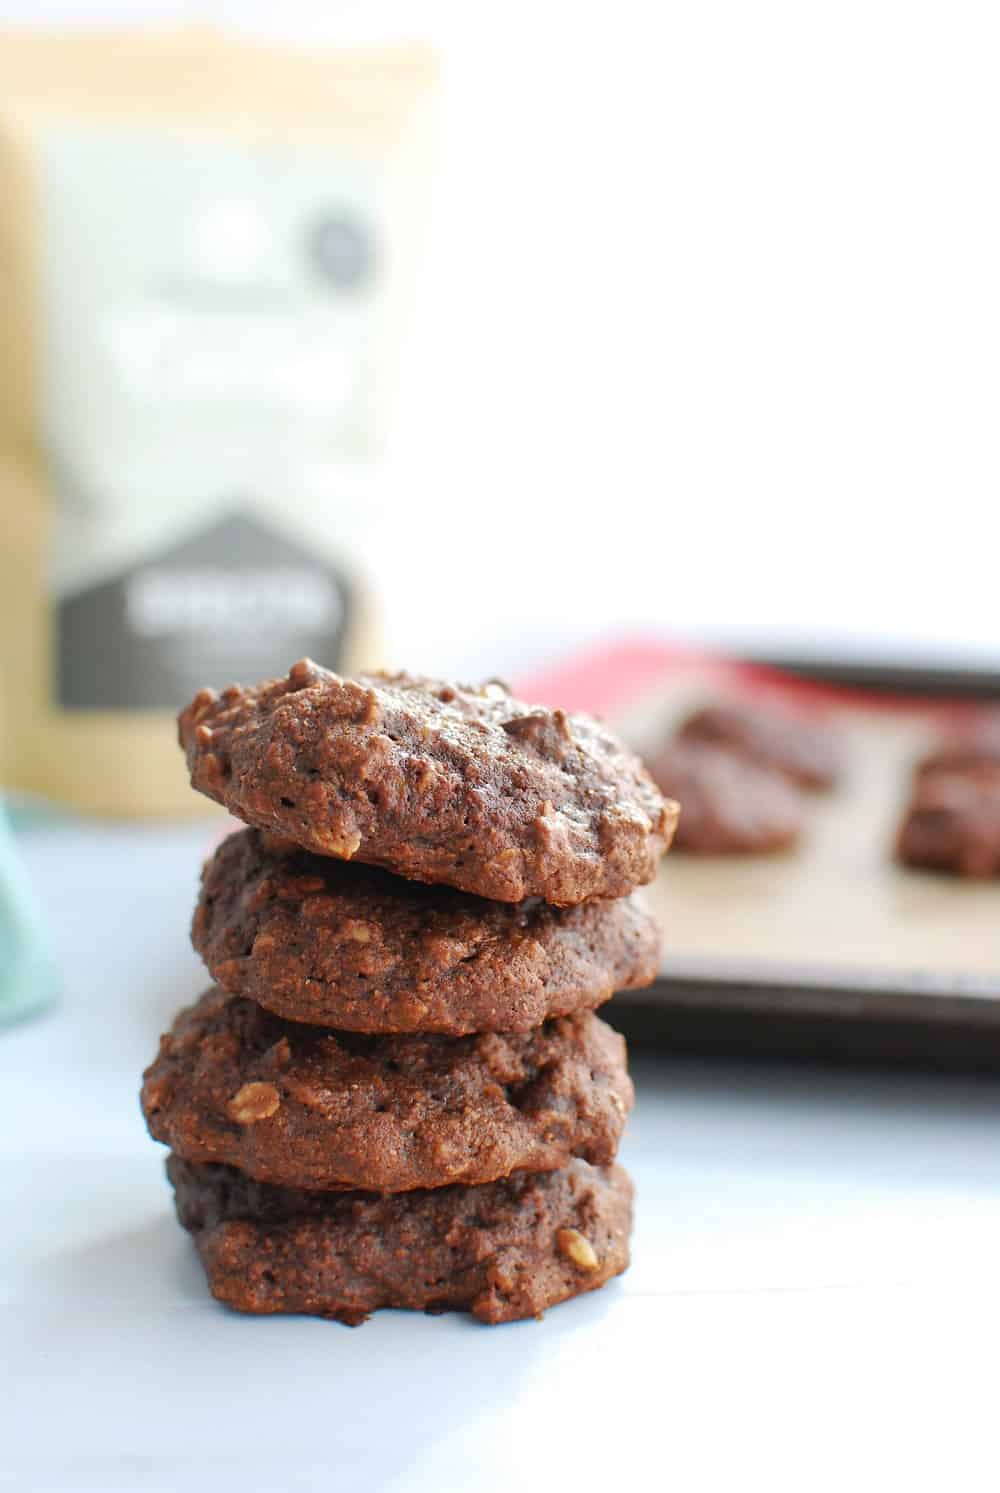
[205, 244]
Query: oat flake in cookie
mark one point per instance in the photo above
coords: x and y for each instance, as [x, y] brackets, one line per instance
[301, 1106]
[344, 945]
[434, 782]
[503, 1251]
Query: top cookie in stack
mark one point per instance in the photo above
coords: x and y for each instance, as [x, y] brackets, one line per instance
[435, 1042]
[435, 783]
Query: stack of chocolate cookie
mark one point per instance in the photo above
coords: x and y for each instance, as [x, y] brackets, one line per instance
[397, 1093]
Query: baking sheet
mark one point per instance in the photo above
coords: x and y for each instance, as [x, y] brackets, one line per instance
[838, 905]
[834, 928]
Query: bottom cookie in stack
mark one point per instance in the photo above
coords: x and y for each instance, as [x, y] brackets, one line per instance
[503, 1250]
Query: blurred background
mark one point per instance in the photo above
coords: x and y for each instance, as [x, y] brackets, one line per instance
[700, 330]
[706, 341]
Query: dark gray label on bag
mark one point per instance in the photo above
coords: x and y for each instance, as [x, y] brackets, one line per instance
[234, 603]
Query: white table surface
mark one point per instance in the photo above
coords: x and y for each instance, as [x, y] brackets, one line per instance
[812, 1302]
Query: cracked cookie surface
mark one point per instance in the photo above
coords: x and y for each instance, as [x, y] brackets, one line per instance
[503, 1250]
[349, 946]
[434, 782]
[312, 1108]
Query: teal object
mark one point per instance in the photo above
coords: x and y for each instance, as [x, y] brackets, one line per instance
[27, 967]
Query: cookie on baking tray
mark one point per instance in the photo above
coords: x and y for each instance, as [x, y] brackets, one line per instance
[952, 822]
[805, 751]
[729, 804]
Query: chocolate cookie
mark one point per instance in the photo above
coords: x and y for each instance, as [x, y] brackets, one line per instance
[804, 751]
[953, 822]
[352, 947]
[729, 805]
[434, 782]
[976, 745]
[503, 1250]
[304, 1107]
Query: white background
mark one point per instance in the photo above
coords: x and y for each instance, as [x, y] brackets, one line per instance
[728, 358]
[707, 333]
